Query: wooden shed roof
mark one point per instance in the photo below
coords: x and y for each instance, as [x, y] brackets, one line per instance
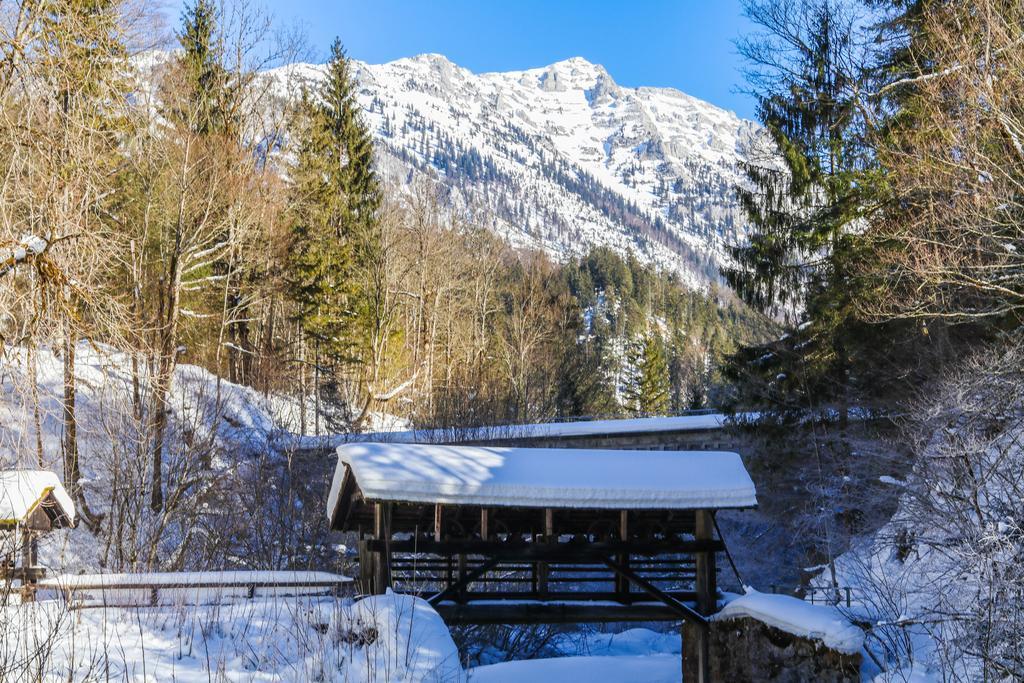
[591, 479]
[27, 493]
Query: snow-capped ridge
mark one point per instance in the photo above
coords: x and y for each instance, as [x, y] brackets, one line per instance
[559, 157]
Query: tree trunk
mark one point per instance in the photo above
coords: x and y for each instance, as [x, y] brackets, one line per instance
[164, 375]
[36, 417]
[72, 469]
[70, 443]
[303, 388]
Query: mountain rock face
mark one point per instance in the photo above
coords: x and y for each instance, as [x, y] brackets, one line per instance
[562, 157]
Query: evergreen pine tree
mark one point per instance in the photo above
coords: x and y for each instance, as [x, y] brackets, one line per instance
[335, 198]
[804, 250]
[204, 74]
[648, 391]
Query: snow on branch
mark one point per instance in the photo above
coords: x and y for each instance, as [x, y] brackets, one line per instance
[25, 250]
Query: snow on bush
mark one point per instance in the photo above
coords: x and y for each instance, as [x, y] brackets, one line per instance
[388, 638]
[942, 584]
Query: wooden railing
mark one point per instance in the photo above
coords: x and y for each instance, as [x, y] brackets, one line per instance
[297, 583]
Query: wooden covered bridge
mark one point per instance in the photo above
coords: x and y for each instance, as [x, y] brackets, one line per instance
[534, 535]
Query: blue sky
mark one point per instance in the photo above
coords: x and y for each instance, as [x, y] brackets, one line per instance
[685, 44]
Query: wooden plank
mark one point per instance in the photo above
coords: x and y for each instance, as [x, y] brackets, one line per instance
[148, 585]
[484, 531]
[567, 551]
[688, 597]
[551, 613]
[438, 511]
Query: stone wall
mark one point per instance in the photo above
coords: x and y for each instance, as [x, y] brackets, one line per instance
[681, 440]
[745, 650]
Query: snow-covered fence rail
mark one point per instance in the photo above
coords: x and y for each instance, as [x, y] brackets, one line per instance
[830, 595]
[824, 595]
[156, 588]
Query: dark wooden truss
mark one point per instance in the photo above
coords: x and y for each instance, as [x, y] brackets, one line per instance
[526, 565]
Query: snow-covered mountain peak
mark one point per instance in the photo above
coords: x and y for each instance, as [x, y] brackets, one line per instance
[561, 157]
[575, 73]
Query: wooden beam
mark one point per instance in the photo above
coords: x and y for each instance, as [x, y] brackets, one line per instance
[489, 597]
[622, 585]
[378, 520]
[460, 585]
[552, 613]
[484, 531]
[707, 591]
[28, 561]
[554, 551]
[684, 610]
[375, 555]
[438, 512]
[543, 570]
[366, 569]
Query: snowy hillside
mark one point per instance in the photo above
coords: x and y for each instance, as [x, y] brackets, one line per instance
[561, 157]
[220, 454]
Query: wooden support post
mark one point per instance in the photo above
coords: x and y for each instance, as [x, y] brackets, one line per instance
[534, 571]
[28, 561]
[462, 578]
[696, 653]
[380, 560]
[542, 567]
[707, 591]
[438, 512]
[484, 531]
[366, 570]
[622, 584]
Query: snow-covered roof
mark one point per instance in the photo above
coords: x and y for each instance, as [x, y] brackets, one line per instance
[22, 491]
[544, 477]
[792, 615]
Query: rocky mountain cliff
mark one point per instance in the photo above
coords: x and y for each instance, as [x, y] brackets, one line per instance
[562, 157]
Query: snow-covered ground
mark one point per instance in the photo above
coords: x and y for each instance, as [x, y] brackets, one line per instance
[636, 655]
[389, 638]
[595, 669]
